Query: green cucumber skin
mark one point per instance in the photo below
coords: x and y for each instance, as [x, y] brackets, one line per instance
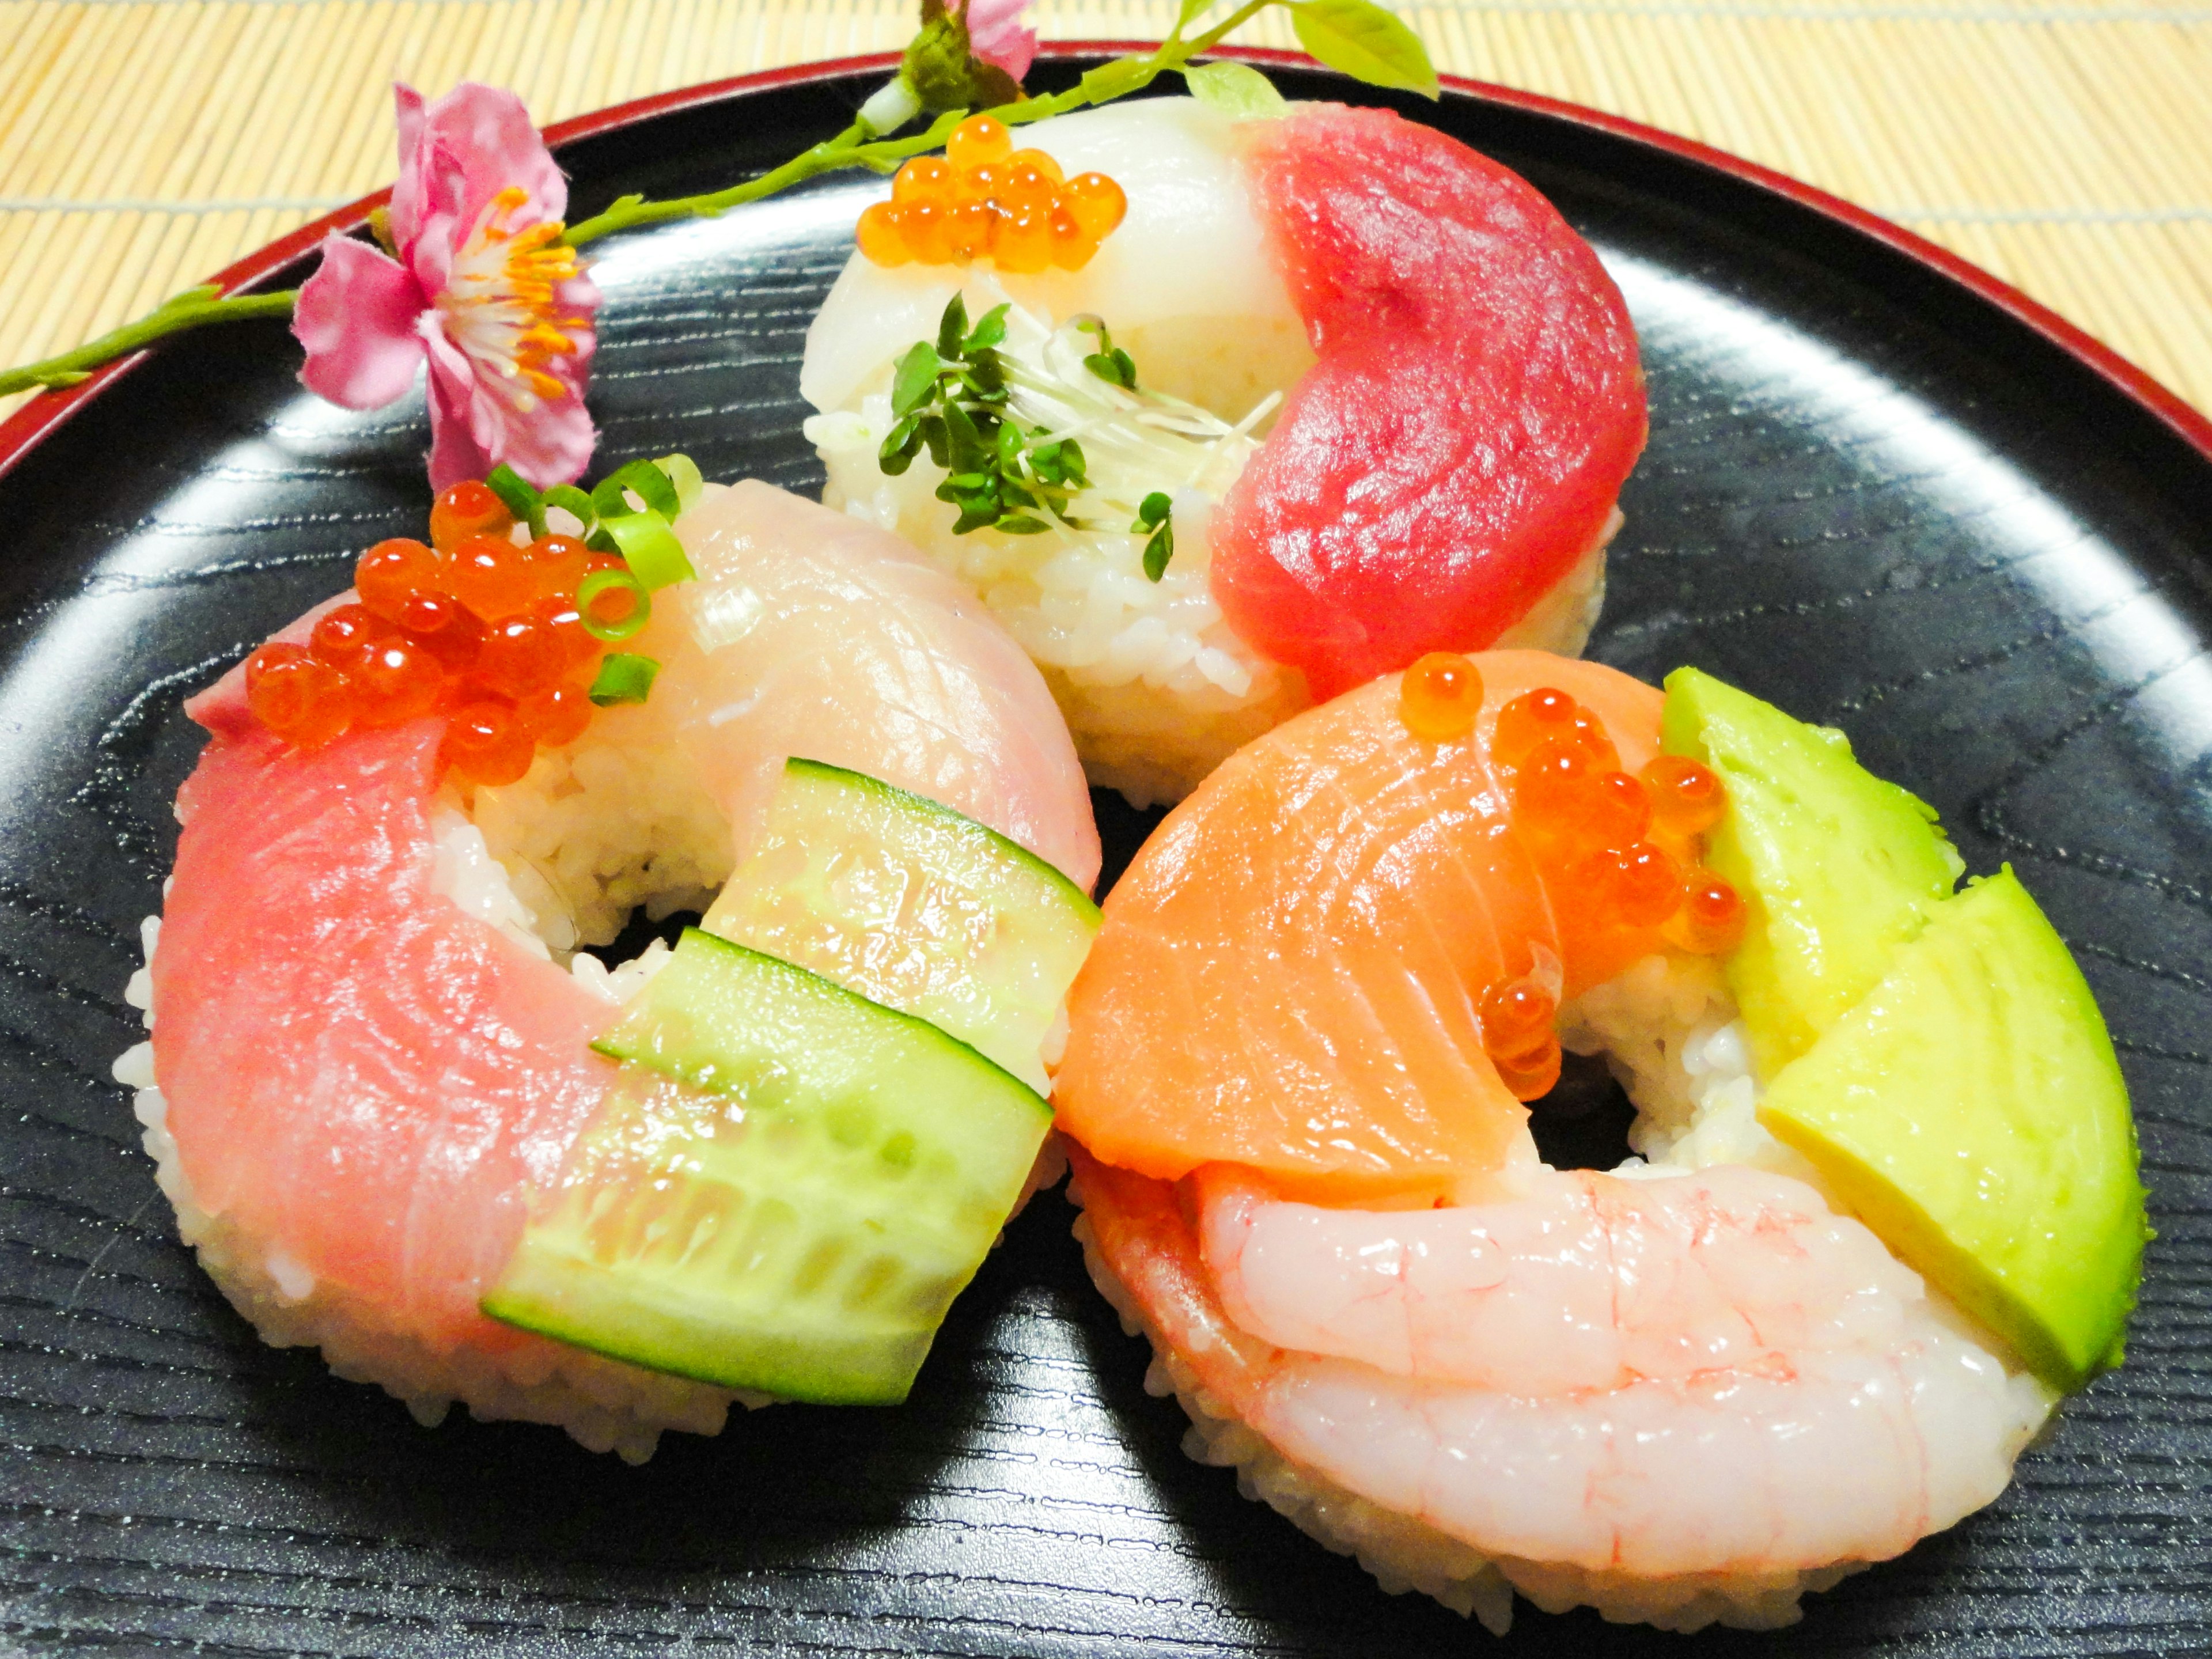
[1084, 907]
[793, 1218]
[912, 905]
[703, 1077]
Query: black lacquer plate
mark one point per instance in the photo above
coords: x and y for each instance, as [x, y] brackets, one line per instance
[1882, 494]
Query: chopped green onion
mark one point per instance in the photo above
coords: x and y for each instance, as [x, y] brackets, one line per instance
[684, 473]
[571, 501]
[603, 581]
[623, 678]
[649, 548]
[514, 491]
[649, 484]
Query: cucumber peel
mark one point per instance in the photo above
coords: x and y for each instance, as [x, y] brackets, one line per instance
[912, 905]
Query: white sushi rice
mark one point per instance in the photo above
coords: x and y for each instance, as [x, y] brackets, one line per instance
[1669, 1031]
[1157, 688]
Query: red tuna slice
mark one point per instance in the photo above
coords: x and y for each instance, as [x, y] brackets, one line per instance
[1476, 405]
[358, 1074]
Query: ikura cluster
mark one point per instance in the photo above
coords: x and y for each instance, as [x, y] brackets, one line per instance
[503, 640]
[985, 199]
[1616, 850]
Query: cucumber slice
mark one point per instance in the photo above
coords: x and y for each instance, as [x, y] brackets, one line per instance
[913, 906]
[786, 1191]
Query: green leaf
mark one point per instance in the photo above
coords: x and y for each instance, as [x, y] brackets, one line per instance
[1237, 91]
[987, 375]
[1022, 525]
[1152, 510]
[1192, 11]
[987, 332]
[1365, 42]
[951, 326]
[897, 452]
[1072, 464]
[915, 379]
[940, 441]
[623, 678]
[1115, 368]
[970, 453]
[1158, 551]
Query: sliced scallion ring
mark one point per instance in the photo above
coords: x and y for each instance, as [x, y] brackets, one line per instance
[684, 473]
[623, 678]
[649, 548]
[603, 581]
[515, 493]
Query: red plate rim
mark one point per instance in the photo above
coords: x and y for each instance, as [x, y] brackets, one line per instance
[30, 424]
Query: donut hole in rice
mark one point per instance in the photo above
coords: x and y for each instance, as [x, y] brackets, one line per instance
[597, 855]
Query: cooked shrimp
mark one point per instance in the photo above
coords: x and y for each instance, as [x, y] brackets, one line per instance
[1589, 1281]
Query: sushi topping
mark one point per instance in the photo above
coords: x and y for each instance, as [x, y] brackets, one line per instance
[508, 639]
[1003, 426]
[1155, 521]
[984, 199]
[1616, 851]
[1439, 697]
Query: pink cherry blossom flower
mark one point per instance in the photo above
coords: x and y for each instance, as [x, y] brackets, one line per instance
[483, 288]
[995, 34]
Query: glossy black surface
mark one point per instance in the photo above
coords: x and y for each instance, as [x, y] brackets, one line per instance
[1868, 496]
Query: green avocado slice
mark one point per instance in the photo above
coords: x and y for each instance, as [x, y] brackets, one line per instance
[1970, 1108]
[1837, 868]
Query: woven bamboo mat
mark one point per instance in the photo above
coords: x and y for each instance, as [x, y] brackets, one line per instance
[2067, 147]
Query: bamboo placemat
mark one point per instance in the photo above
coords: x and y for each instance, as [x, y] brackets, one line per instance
[2067, 147]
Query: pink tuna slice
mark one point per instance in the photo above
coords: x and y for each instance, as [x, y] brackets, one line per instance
[366, 1078]
[1476, 405]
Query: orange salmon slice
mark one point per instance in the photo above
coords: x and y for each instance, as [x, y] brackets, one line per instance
[1289, 975]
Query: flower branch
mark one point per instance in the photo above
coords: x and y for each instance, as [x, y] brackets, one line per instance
[477, 274]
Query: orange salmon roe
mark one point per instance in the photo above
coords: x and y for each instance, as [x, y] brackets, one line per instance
[300, 698]
[472, 627]
[1531, 719]
[1710, 920]
[1686, 797]
[1616, 851]
[467, 509]
[984, 199]
[1439, 696]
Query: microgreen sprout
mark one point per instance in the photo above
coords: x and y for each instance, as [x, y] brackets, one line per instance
[1110, 362]
[1153, 514]
[1042, 436]
[951, 397]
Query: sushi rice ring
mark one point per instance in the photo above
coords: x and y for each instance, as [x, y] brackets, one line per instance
[369, 1009]
[1684, 1391]
[1381, 393]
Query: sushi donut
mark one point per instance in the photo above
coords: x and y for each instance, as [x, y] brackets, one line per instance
[371, 1021]
[1377, 394]
[1689, 1389]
